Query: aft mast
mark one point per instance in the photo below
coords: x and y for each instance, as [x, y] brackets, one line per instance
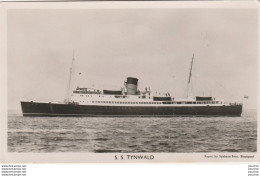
[67, 98]
[189, 89]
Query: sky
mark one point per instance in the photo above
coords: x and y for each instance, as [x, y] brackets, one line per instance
[153, 45]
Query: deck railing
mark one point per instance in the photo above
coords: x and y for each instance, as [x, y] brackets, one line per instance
[236, 103]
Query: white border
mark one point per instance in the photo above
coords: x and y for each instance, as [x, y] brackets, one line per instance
[6, 157]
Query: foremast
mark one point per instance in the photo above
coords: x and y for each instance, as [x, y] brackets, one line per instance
[71, 72]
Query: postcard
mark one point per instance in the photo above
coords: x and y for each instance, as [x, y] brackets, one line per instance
[124, 82]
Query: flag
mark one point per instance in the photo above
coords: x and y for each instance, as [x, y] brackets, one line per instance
[246, 97]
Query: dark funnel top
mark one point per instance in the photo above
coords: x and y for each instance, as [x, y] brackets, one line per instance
[131, 80]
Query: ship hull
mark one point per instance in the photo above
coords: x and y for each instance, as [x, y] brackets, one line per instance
[54, 109]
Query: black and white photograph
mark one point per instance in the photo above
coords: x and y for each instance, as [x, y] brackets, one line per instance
[140, 81]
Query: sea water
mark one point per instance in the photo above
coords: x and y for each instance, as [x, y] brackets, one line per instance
[132, 134]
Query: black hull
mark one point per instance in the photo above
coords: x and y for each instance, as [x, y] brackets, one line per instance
[52, 109]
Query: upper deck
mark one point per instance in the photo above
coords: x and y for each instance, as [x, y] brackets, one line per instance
[139, 100]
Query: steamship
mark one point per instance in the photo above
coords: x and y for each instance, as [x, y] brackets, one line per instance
[129, 101]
